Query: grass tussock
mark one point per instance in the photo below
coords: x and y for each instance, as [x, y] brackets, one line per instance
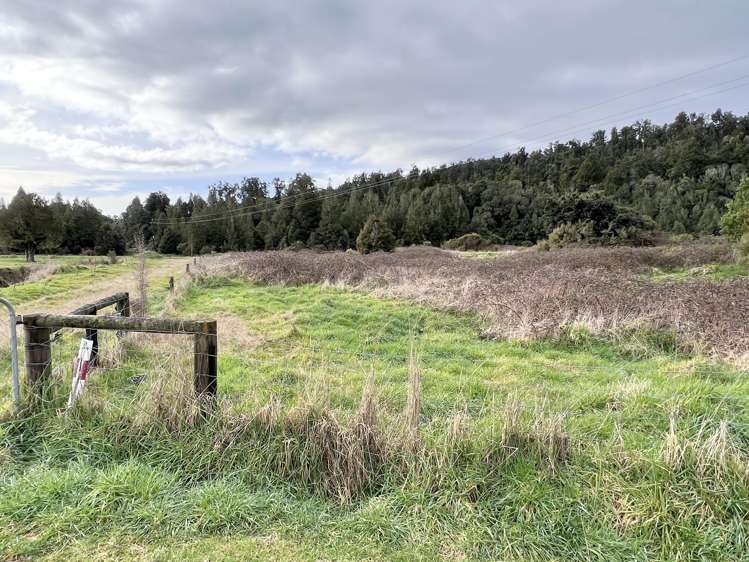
[139, 306]
[712, 453]
[343, 455]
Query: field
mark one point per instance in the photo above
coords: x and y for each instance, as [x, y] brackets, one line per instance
[574, 404]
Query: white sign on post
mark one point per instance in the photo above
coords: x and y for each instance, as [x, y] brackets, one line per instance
[80, 370]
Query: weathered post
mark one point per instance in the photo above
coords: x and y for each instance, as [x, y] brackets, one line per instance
[122, 306]
[38, 353]
[187, 268]
[171, 285]
[93, 335]
[205, 364]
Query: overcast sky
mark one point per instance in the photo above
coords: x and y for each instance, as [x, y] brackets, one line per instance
[109, 99]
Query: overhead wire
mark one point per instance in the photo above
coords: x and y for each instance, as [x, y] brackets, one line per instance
[254, 211]
[553, 118]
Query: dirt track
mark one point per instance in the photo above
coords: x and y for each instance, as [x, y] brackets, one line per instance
[69, 300]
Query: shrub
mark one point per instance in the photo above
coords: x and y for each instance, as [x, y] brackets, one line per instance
[595, 218]
[112, 256]
[295, 246]
[684, 237]
[586, 232]
[735, 223]
[375, 236]
[571, 233]
[543, 245]
[207, 249]
[467, 242]
[743, 246]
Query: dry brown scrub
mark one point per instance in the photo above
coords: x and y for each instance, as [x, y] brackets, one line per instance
[533, 294]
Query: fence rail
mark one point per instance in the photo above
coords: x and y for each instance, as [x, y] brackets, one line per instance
[38, 330]
[121, 302]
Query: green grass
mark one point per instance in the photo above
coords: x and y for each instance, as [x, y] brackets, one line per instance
[97, 484]
[713, 272]
[69, 278]
[13, 261]
[74, 275]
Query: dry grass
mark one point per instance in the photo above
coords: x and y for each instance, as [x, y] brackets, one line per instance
[234, 333]
[713, 455]
[140, 306]
[535, 295]
[39, 272]
[345, 455]
[413, 403]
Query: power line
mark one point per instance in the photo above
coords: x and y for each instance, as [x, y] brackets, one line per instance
[604, 102]
[223, 215]
[238, 211]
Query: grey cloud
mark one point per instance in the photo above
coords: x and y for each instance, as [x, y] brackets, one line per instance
[375, 82]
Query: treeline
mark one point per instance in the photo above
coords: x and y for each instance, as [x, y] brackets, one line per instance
[30, 224]
[676, 178]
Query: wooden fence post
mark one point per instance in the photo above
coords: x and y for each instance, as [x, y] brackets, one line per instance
[38, 348]
[205, 364]
[93, 335]
[122, 306]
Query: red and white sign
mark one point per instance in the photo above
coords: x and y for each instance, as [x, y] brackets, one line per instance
[80, 370]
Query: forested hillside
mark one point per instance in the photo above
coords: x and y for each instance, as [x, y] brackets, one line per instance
[679, 175]
[676, 178]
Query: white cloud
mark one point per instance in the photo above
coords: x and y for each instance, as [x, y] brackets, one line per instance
[45, 182]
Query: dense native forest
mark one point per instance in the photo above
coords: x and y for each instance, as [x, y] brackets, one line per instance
[675, 178]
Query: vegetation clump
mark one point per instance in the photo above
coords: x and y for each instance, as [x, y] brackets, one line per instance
[375, 236]
[595, 219]
[735, 223]
[466, 243]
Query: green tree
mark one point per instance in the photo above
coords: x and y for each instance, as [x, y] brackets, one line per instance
[330, 231]
[170, 240]
[135, 219]
[27, 223]
[415, 228]
[306, 211]
[375, 236]
[111, 237]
